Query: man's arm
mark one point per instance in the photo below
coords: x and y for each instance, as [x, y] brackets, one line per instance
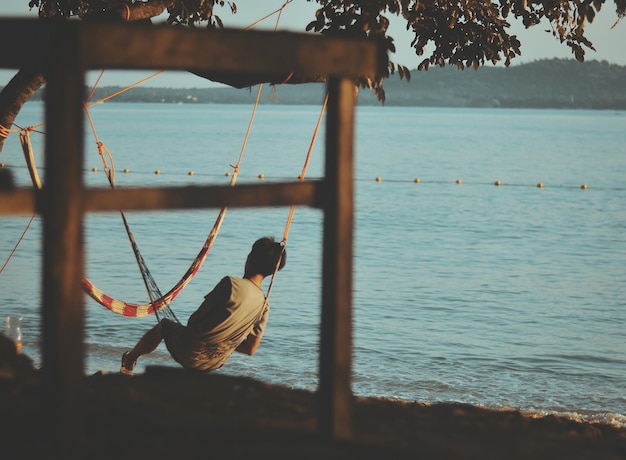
[250, 345]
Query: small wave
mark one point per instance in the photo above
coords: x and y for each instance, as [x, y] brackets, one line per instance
[606, 418]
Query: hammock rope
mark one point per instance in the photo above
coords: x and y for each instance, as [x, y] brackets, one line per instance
[6, 262]
[292, 210]
[29, 156]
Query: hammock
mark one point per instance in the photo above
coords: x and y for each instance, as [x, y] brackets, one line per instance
[158, 301]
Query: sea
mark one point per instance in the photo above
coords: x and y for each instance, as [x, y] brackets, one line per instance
[489, 252]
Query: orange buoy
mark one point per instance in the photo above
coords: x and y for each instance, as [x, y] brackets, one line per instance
[540, 185]
[417, 180]
[497, 183]
[584, 186]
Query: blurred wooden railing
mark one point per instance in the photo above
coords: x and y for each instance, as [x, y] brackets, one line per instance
[66, 50]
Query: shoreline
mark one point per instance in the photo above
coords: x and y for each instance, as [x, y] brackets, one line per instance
[168, 411]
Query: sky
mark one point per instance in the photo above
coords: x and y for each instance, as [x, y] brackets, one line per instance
[537, 43]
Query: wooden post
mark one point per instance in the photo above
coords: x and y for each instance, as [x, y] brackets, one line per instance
[61, 207]
[335, 390]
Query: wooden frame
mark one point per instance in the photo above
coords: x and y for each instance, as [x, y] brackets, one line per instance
[26, 201]
[66, 50]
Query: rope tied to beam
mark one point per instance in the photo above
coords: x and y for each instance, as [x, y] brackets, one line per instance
[292, 210]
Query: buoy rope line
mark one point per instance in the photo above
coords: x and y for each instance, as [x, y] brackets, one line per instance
[496, 183]
[262, 176]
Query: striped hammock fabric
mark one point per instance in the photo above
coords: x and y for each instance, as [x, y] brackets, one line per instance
[159, 302]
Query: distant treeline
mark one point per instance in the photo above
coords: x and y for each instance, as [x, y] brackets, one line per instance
[554, 83]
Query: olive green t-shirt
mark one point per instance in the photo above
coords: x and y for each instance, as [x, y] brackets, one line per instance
[231, 312]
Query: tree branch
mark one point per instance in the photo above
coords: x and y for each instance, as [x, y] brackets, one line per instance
[16, 93]
[140, 11]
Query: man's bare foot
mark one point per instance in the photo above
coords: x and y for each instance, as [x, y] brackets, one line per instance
[127, 366]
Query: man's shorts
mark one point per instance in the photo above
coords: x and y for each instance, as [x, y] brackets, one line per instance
[191, 354]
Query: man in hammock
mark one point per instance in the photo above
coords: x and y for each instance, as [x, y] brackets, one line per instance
[232, 317]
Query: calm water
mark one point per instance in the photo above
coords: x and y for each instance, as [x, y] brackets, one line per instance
[510, 296]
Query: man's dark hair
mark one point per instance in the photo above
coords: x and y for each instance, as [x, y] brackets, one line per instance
[266, 253]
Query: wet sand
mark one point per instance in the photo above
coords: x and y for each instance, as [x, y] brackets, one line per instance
[172, 413]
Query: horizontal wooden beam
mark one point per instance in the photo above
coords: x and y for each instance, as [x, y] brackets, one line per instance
[18, 201]
[142, 46]
[22, 201]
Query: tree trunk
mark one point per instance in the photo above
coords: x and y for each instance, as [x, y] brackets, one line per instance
[15, 94]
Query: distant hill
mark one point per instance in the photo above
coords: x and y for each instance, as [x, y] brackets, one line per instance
[554, 83]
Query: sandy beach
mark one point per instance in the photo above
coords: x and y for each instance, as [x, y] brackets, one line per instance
[170, 412]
